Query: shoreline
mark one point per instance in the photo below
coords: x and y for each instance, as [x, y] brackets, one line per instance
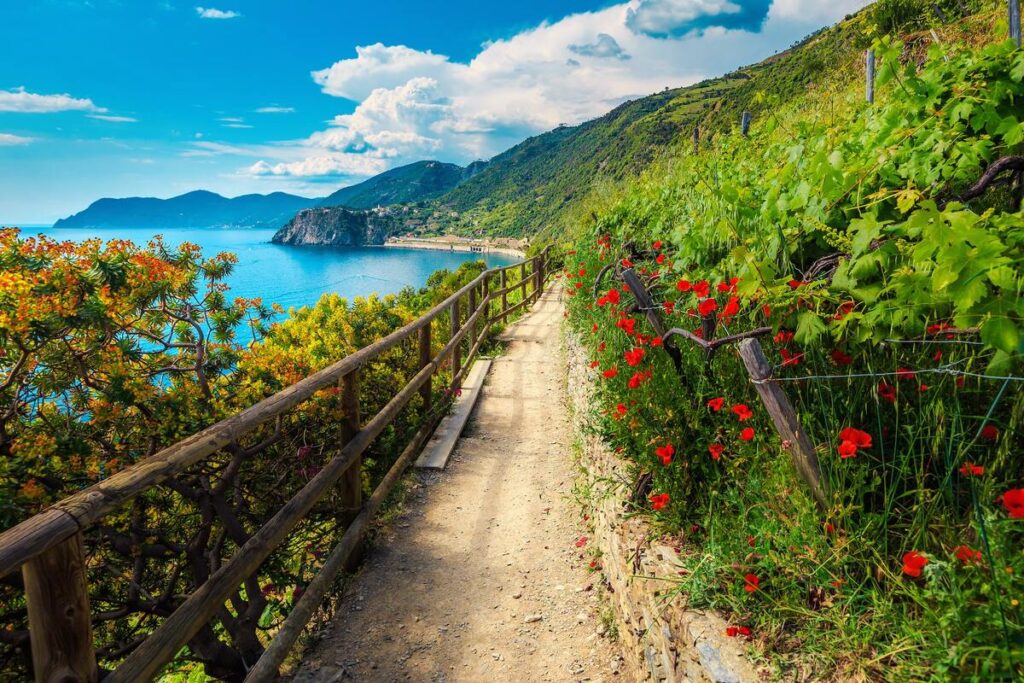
[453, 246]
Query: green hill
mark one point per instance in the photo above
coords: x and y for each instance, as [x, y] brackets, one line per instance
[415, 182]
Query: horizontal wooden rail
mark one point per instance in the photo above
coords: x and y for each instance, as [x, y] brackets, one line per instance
[47, 534]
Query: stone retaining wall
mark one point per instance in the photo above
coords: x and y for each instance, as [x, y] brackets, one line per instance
[661, 639]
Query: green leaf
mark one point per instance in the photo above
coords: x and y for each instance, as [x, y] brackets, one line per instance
[809, 328]
[1002, 334]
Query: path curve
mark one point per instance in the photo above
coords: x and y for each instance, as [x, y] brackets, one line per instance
[480, 578]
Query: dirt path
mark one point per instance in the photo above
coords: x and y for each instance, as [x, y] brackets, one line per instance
[481, 579]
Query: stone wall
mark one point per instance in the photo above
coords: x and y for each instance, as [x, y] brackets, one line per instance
[662, 640]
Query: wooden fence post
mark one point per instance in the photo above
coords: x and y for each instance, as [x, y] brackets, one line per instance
[426, 356]
[472, 330]
[522, 278]
[650, 311]
[871, 76]
[745, 123]
[696, 139]
[794, 438]
[456, 352]
[504, 297]
[58, 614]
[351, 483]
[1015, 21]
[540, 274]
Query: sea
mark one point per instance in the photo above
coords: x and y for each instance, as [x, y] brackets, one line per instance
[298, 276]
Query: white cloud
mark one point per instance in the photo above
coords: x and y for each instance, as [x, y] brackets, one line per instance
[345, 165]
[20, 101]
[814, 10]
[9, 140]
[113, 119]
[275, 110]
[237, 125]
[415, 104]
[211, 13]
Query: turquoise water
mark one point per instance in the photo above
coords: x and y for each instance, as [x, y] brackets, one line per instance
[298, 276]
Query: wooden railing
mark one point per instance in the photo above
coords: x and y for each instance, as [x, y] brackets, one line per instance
[50, 549]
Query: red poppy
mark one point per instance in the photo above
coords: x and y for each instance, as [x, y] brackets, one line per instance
[583, 271]
[1013, 501]
[747, 434]
[751, 583]
[840, 358]
[659, 500]
[966, 554]
[796, 284]
[611, 372]
[657, 244]
[594, 328]
[861, 439]
[660, 259]
[665, 453]
[621, 409]
[990, 432]
[702, 289]
[766, 310]
[887, 391]
[913, 563]
[684, 286]
[847, 449]
[634, 357]
[581, 542]
[969, 469]
[922, 387]
[594, 364]
[937, 357]
[657, 341]
[707, 307]
[638, 378]
[732, 307]
[613, 296]
[626, 263]
[783, 337]
[716, 450]
[733, 631]
[790, 359]
[935, 329]
[743, 413]
[845, 310]
[669, 306]
[716, 403]
[904, 373]
[627, 325]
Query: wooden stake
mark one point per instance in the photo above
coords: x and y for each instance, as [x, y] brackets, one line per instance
[870, 59]
[696, 139]
[427, 392]
[745, 123]
[58, 614]
[456, 352]
[504, 297]
[794, 438]
[1015, 21]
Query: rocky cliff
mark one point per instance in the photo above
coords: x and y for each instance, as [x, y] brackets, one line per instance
[338, 227]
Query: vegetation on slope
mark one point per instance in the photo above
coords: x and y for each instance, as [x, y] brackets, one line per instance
[416, 182]
[891, 284]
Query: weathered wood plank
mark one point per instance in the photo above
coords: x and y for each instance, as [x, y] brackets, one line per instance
[351, 484]
[794, 437]
[58, 614]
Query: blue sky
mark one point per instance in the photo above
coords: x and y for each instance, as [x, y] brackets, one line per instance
[157, 97]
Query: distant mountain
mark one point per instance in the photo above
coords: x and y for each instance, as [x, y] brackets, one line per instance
[199, 209]
[413, 183]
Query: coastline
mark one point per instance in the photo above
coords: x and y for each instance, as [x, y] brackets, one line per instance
[447, 244]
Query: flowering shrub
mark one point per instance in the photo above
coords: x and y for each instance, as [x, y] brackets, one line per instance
[894, 312]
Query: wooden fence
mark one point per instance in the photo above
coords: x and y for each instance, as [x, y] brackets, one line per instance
[50, 550]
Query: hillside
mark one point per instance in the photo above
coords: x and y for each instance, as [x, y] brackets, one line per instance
[198, 209]
[412, 183]
[544, 182]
